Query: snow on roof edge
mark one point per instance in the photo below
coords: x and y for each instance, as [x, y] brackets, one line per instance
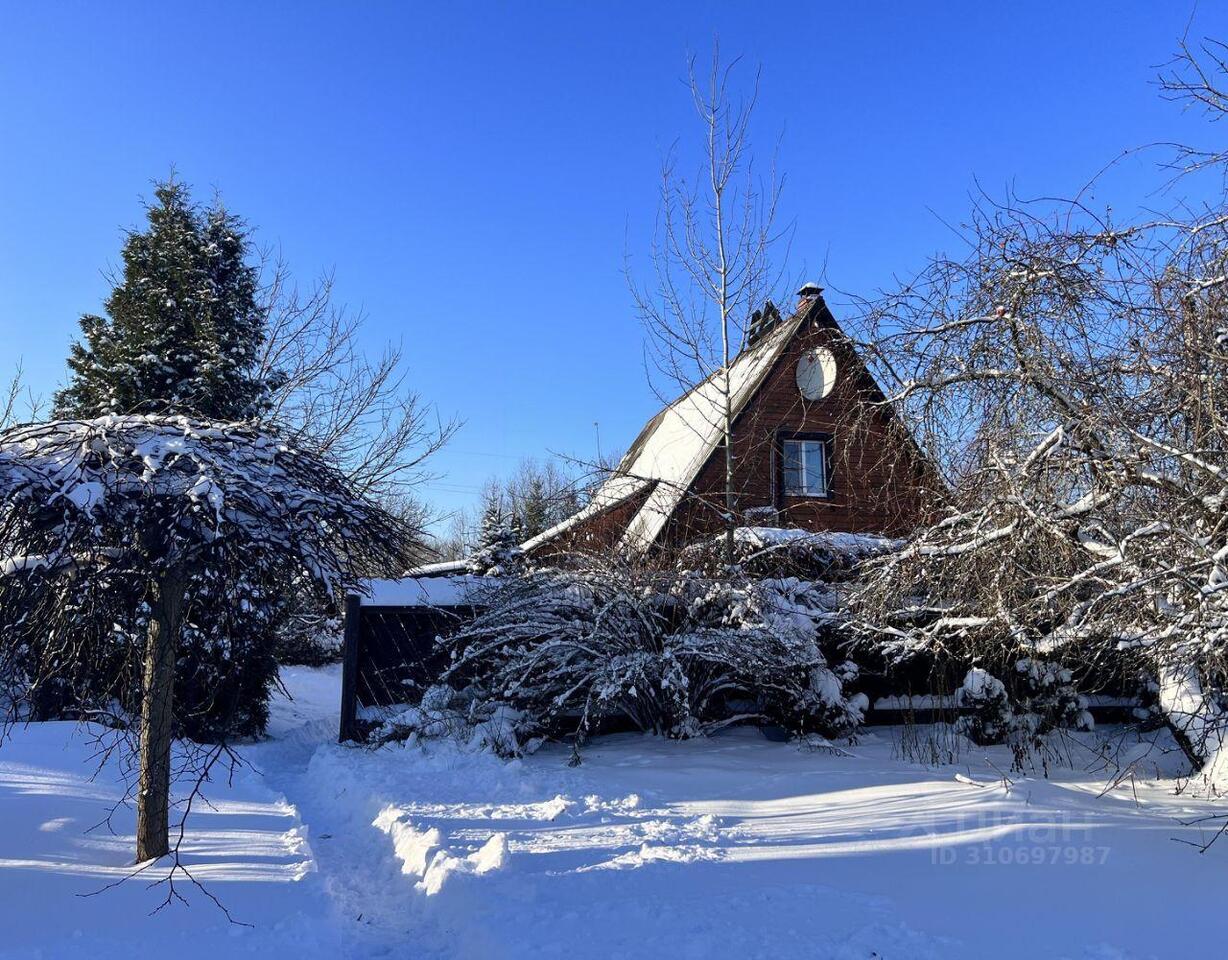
[754, 364]
[627, 481]
[443, 568]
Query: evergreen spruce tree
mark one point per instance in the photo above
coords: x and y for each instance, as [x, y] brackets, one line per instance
[493, 531]
[534, 512]
[182, 335]
[515, 529]
[183, 328]
[498, 550]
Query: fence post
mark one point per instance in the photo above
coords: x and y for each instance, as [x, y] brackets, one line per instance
[349, 668]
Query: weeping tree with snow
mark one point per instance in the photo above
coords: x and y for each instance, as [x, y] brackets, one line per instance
[1071, 382]
[1070, 379]
[141, 505]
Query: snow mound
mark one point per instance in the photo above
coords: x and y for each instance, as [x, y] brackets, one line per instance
[852, 545]
[423, 855]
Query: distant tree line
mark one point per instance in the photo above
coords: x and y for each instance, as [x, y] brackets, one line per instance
[533, 498]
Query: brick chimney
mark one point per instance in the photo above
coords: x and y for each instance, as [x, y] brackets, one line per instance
[808, 294]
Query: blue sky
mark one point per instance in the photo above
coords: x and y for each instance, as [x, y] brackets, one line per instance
[475, 172]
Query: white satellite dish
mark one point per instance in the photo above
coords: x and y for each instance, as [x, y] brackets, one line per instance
[816, 373]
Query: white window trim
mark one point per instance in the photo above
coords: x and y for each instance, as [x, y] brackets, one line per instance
[805, 489]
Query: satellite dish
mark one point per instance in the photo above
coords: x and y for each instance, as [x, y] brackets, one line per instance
[816, 373]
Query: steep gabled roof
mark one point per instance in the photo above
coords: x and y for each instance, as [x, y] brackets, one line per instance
[673, 447]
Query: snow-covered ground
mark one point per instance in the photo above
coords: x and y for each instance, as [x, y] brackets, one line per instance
[733, 846]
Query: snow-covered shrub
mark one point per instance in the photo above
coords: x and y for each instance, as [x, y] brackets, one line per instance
[761, 637]
[1149, 713]
[825, 555]
[308, 635]
[447, 714]
[437, 715]
[1046, 698]
[678, 654]
[1041, 698]
[989, 717]
[557, 644]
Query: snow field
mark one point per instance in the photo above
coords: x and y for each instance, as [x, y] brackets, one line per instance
[650, 848]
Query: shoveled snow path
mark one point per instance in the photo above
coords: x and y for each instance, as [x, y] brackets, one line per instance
[359, 872]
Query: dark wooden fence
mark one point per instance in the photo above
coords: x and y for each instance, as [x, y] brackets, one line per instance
[390, 655]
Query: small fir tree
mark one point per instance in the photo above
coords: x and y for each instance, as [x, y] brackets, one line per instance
[534, 512]
[499, 547]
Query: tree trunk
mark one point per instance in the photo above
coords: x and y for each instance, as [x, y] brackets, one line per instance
[727, 425]
[157, 711]
[1196, 722]
[730, 501]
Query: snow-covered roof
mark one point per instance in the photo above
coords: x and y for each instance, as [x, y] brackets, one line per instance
[674, 446]
[443, 568]
[614, 491]
[437, 591]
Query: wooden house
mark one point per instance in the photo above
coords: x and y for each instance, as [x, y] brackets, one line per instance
[815, 446]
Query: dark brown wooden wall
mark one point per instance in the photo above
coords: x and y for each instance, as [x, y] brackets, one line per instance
[597, 535]
[879, 479]
[878, 476]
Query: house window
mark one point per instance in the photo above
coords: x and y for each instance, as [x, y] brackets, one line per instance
[805, 467]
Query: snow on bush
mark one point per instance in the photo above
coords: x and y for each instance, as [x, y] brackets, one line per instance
[1040, 699]
[457, 716]
[674, 653]
[305, 636]
[1048, 699]
[989, 717]
[825, 555]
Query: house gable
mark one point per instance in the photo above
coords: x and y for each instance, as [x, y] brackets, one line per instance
[669, 489]
[877, 483]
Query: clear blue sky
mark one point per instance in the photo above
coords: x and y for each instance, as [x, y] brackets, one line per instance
[474, 171]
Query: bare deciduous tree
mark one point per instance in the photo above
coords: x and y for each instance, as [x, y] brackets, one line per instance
[18, 401]
[1069, 379]
[358, 414]
[712, 259]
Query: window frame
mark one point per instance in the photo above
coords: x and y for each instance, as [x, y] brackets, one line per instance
[825, 441]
